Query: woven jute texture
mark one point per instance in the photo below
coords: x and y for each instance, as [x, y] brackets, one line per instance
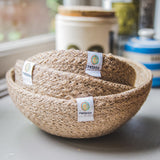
[47, 81]
[58, 116]
[75, 61]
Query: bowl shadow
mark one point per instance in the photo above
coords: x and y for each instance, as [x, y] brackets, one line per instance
[139, 134]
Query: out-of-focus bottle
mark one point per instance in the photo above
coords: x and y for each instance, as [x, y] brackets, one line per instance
[127, 13]
[146, 13]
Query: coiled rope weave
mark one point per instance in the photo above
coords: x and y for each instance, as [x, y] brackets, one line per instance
[56, 113]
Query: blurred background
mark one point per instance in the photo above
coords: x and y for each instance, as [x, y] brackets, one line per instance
[25, 18]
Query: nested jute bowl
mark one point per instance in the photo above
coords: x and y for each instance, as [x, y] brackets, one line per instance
[48, 81]
[74, 61]
[58, 116]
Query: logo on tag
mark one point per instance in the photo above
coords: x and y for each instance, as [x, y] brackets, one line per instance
[94, 64]
[27, 72]
[85, 106]
[95, 59]
[85, 109]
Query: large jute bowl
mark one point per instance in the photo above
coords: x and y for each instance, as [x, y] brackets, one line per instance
[59, 116]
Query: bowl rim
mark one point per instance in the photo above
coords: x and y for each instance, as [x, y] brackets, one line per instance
[133, 91]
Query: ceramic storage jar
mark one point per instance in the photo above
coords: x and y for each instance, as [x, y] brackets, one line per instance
[86, 28]
[146, 50]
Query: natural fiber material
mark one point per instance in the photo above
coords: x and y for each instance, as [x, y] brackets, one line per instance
[59, 116]
[47, 81]
[75, 61]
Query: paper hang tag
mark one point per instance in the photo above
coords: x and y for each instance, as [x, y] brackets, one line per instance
[94, 64]
[27, 72]
[85, 108]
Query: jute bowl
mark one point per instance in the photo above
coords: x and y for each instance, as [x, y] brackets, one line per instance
[58, 84]
[59, 116]
[74, 61]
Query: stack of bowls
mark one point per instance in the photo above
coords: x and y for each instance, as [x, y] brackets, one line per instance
[59, 78]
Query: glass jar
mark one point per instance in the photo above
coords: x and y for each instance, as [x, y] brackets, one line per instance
[127, 13]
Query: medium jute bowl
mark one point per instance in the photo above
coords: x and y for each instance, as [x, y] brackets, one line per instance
[58, 116]
[58, 84]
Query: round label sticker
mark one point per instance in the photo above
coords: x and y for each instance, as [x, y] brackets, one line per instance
[85, 106]
[94, 59]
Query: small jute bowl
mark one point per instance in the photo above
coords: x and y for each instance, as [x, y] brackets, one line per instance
[75, 61]
[58, 116]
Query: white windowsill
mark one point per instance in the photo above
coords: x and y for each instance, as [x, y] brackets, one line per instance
[22, 49]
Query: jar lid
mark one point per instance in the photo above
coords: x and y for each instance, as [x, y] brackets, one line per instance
[145, 43]
[85, 11]
[146, 33]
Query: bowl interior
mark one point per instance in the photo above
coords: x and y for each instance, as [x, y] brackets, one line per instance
[143, 75]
